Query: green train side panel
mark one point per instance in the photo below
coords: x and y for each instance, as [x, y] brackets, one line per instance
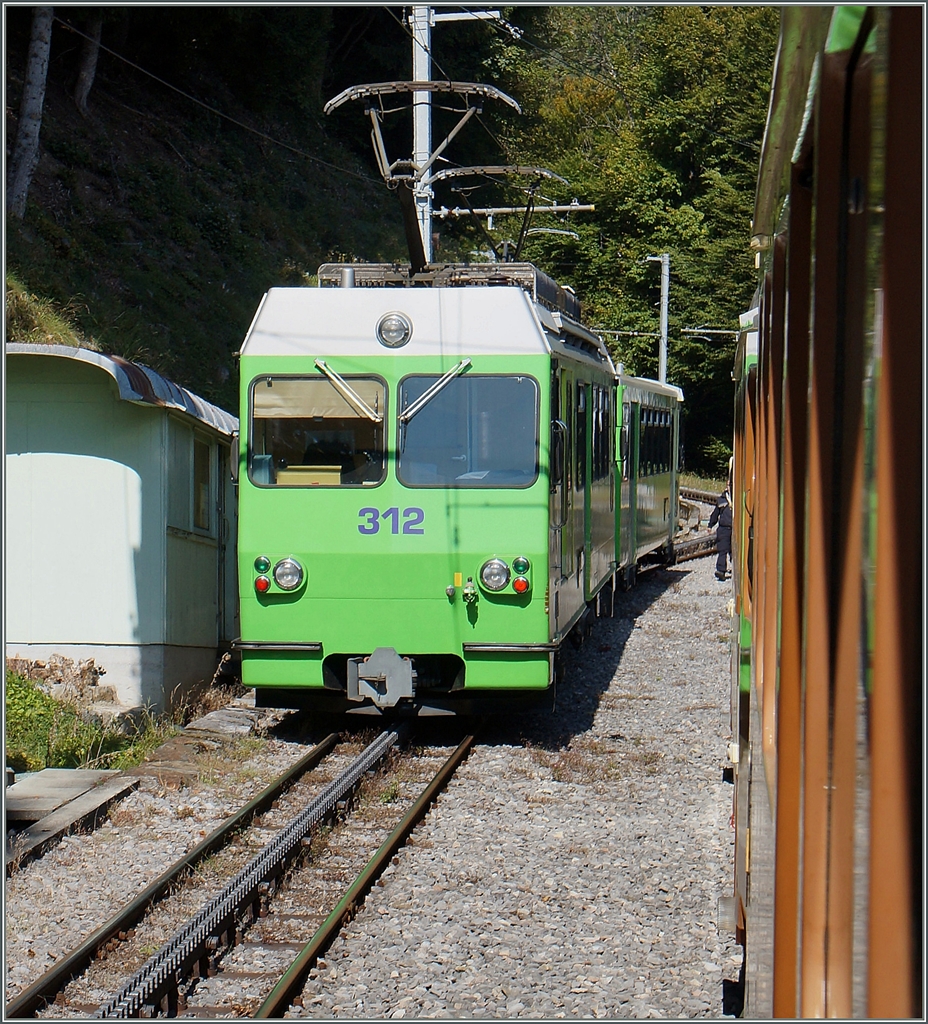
[744, 655]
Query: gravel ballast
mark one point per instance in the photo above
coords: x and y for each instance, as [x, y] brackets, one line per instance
[576, 872]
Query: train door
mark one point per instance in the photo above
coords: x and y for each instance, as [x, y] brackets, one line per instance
[629, 511]
[581, 502]
[558, 490]
[601, 489]
[561, 499]
[567, 532]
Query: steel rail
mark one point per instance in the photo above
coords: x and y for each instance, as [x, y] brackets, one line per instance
[44, 990]
[159, 980]
[283, 993]
[695, 548]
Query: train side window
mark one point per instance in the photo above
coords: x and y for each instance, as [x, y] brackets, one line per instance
[643, 437]
[306, 432]
[601, 433]
[581, 435]
[623, 439]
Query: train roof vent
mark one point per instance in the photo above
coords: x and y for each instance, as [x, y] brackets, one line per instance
[543, 289]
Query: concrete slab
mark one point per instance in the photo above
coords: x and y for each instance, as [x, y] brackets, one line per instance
[88, 799]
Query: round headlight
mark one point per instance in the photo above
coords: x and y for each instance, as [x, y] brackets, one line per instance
[521, 565]
[394, 330]
[494, 575]
[288, 574]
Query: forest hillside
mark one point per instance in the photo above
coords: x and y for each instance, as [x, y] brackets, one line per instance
[199, 170]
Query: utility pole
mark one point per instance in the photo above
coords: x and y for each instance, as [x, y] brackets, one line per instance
[421, 21]
[664, 261]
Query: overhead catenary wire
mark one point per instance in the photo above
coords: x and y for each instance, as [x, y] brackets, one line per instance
[219, 113]
[428, 49]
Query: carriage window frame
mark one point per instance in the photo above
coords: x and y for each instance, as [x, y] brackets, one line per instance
[202, 477]
[384, 412]
[470, 485]
[655, 442]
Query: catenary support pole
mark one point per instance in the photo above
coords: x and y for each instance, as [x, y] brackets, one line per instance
[664, 260]
[421, 25]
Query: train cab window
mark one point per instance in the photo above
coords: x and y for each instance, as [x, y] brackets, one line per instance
[317, 432]
[476, 431]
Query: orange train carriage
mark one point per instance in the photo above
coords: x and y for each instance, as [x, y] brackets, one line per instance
[827, 616]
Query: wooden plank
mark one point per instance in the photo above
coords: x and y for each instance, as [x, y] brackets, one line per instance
[41, 793]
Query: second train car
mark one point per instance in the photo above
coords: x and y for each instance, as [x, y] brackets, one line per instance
[436, 485]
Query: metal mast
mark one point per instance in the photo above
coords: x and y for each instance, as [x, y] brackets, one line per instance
[421, 25]
[421, 21]
[664, 260]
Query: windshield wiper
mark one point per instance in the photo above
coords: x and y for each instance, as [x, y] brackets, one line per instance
[348, 393]
[423, 400]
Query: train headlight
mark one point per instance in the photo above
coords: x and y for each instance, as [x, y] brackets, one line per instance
[494, 574]
[394, 330]
[288, 574]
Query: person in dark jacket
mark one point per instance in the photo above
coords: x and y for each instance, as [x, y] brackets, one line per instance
[721, 515]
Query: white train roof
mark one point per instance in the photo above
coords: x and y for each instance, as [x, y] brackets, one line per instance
[449, 321]
[137, 383]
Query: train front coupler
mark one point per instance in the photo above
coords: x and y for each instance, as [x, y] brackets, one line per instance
[383, 677]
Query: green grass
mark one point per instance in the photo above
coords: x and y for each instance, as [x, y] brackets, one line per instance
[35, 320]
[43, 732]
[703, 483]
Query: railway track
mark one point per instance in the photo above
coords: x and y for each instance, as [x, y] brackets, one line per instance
[117, 928]
[259, 913]
[695, 542]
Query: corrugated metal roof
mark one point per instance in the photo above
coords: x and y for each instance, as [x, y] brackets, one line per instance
[140, 384]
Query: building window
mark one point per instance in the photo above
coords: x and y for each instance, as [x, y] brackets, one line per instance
[201, 485]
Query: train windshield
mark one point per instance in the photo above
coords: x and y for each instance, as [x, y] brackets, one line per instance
[317, 431]
[477, 431]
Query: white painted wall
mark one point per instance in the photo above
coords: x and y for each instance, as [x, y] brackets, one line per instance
[103, 559]
[74, 550]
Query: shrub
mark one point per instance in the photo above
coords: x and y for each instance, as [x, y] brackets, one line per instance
[45, 732]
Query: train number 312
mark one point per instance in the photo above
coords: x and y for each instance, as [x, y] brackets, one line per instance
[412, 520]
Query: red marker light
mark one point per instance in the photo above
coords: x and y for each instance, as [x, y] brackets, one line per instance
[520, 584]
[262, 584]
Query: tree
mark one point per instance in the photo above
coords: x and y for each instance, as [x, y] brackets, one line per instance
[26, 148]
[87, 70]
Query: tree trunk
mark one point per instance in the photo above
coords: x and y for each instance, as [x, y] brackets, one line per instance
[26, 149]
[90, 50]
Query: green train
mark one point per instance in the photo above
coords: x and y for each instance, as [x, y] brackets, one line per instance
[440, 478]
